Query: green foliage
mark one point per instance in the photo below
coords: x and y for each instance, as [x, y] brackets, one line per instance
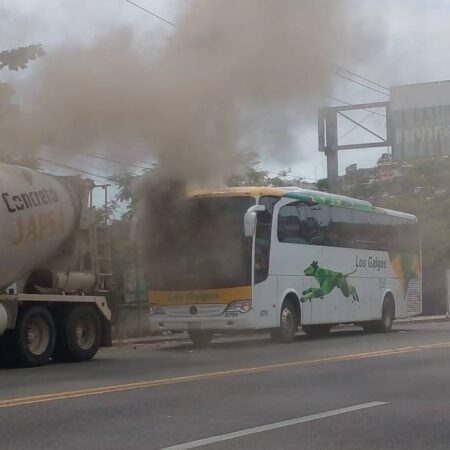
[18, 58]
[254, 175]
[124, 182]
[124, 255]
[322, 184]
[425, 187]
[434, 223]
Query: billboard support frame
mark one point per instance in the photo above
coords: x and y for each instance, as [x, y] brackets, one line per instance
[329, 139]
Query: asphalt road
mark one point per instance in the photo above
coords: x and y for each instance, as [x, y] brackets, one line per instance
[349, 391]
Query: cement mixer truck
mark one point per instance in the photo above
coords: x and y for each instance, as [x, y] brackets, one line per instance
[55, 269]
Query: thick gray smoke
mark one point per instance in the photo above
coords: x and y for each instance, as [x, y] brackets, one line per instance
[233, 76]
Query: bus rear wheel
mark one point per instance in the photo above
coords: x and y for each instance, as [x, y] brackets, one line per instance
[285, 333]
[200, 338]
[317, 331]
[384, 325]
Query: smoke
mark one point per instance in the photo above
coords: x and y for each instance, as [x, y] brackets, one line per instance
[232, 77]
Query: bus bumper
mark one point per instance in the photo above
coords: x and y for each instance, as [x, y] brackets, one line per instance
[224, 322]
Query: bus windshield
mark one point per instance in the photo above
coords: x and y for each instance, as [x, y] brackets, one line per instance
[205, 248]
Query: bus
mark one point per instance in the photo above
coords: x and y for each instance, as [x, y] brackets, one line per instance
[283, 258]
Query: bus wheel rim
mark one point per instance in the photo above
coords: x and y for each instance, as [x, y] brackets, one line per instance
[287, 320]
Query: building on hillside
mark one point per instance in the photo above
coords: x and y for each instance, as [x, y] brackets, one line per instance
[388, 170]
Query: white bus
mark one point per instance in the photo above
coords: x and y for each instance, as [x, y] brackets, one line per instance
[284, 258]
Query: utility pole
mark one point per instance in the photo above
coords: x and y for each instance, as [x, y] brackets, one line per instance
[331, 151]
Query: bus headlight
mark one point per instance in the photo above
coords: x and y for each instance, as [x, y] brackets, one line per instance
[155, 309]
[239, 306]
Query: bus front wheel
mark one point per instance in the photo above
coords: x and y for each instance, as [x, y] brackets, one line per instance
[200, 338]
[285, 333]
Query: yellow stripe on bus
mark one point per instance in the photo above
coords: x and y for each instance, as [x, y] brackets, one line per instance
[204, 296]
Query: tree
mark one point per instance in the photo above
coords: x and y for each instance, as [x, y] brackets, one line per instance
[15, 59]
[18, 58]
[254, 175]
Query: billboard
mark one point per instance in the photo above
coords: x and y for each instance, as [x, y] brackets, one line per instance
[419, 122]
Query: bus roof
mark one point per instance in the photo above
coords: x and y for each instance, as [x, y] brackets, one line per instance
[306, 195]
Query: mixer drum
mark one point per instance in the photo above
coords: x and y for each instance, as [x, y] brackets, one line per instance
[37, 214]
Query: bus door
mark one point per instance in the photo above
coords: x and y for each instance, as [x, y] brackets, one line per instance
[265, 282]
[292, 253]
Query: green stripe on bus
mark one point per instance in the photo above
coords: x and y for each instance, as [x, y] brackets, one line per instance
[331, 200]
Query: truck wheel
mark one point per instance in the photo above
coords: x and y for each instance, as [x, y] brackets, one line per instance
[79, 332]
[34, 336]
[7, 349]
[285, 333]
[200, 338]
[317, 331]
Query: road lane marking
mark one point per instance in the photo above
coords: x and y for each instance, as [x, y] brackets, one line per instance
[42, 398]
[271, 426]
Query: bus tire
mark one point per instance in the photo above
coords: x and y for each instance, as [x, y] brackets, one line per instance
[289, 319]
[384, 325]
[317, 331]
[79, 334]
[34, 337]
[369, 327]
[200, 338]
[387, 315]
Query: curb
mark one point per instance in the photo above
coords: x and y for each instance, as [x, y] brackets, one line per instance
[183, 337]
[151, 339]
[425, 319]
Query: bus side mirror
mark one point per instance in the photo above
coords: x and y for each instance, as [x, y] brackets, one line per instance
[250, 219]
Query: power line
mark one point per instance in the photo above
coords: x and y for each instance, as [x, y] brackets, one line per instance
[150, 12]
[76, 169]
[362, 126]
[153, 164]
[339, 75]
[289, 175]
[361, 84]
[355, 126]
[117, 161]
[360, 76]
[351, 104]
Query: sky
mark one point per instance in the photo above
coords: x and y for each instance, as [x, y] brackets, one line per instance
[416, 33]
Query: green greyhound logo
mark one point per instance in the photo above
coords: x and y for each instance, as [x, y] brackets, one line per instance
[328, 280]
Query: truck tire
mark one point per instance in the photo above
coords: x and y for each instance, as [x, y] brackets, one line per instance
[78, 334]
[200, 338]
[289, 320]
[34, 336]
[317, 331]
[7, 350]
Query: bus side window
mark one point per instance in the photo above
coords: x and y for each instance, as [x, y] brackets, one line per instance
[292, 225]
[340, 231]
[404, 235]
[319, 222]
